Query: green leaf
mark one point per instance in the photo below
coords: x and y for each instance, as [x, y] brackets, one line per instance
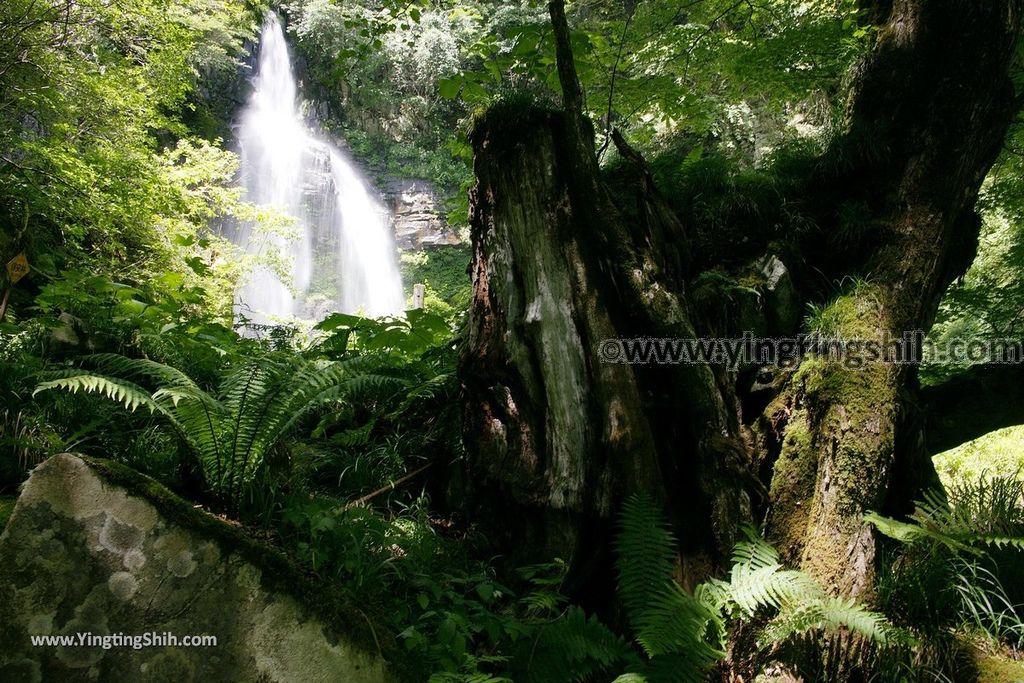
[473, 92]
[448, 88]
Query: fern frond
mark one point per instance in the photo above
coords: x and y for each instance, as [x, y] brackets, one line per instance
[1001, 541]
[758, 580]
[572, 648]
[986, 512]
[257, 402]
[676, 630]
[646, 556]
[129, 395]
[831, 615]
[770, 587]
[349, 389]
[140, 368]
[428, 390]
[754, 553]
[666, 619]
[631, 677]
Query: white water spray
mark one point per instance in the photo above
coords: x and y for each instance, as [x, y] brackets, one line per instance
[285, 166]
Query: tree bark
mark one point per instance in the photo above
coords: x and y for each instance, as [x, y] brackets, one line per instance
[556, 438]
[972, 404]
[926, 120]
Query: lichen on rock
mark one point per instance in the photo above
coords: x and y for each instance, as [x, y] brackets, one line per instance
[85, 552]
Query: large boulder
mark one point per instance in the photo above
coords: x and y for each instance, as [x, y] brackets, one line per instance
[94, 548]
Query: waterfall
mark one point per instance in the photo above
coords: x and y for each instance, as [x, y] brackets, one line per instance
[339, 237]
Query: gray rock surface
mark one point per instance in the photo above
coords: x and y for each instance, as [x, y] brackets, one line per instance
[89, 549]
[418, 214]
[782, 302]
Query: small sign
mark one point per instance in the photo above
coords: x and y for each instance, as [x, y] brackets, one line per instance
[17, 268]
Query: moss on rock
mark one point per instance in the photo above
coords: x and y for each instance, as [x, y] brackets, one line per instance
[93, 546]
[6, 508]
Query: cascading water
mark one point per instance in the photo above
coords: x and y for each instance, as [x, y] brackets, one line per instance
[286, 167]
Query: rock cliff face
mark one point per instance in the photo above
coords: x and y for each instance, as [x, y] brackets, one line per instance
[92, 549]
[418, 214]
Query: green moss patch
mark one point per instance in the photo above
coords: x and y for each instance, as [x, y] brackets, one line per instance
[6, 508]
[997, 668]
[996, 454]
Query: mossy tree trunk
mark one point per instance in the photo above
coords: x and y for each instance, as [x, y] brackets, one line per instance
[927, 118]
[557, 438]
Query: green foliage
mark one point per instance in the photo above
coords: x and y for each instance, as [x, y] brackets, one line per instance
[167, 313]
[683, 635]
[376, 66]
[956, 554]
[353, 545]
[717, 68]
[407, 337]
[32, 429]
[671, 625]
[974, 515]
[95, 164]
[443, 271]
[453, 616]
[398, 414]
[533, 637]
[758, 579]
[514, 51]
[24, 433]
[232, 433]
[113, 181]
[404, 80]
[572, 647]
[986, 607]
[987, 302]
[827, 614]
[997, 454]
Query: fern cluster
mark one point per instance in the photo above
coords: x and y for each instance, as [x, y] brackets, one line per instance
[958, 549]
[571, 647]
[685, 635]
[988, 513]
[679, 633]
[231, 431]
[759, 581]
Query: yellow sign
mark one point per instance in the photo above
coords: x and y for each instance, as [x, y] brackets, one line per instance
[17, 268]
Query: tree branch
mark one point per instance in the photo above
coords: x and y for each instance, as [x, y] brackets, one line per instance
[981, 400]
[572, 94]
[611, 84]
[363, 500]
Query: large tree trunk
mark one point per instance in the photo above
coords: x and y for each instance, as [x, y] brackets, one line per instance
[927, 119]
[556, 437]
